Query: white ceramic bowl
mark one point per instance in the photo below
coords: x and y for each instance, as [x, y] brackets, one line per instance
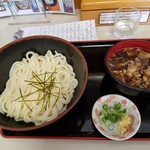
[113, 130]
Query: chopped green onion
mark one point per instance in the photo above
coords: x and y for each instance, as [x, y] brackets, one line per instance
[111, 114]
[105, 107]
[111, 127]
[117, 106]
[113, 118]
[111, 109]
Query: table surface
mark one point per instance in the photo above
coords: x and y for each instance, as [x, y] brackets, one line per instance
[103, 33]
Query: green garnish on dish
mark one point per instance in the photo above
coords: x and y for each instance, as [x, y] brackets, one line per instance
[44, 83]
[109, 115]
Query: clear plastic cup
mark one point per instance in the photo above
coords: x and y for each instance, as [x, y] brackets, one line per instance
[126, 22]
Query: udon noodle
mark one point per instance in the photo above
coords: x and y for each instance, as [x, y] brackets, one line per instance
[39, 88]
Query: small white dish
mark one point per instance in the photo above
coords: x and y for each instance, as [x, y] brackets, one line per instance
[125, 111]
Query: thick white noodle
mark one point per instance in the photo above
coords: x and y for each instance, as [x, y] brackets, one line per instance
[42, 110]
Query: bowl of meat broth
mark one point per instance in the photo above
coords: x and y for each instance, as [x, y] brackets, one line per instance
[128, 66]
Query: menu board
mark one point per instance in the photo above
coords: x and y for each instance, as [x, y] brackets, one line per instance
[72, 31]
[25, 7]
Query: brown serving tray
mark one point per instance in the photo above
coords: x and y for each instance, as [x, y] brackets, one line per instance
[77, 124]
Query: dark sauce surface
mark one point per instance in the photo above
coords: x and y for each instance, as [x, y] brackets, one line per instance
[131, 66]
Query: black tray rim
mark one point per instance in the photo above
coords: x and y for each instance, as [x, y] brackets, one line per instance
[82, 44]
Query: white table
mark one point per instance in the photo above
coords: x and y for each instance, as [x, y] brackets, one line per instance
[104, 33]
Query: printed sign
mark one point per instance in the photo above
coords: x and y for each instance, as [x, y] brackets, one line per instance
[109, 17]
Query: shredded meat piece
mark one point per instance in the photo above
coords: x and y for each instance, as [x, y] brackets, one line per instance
[147, 71]
[144, 54]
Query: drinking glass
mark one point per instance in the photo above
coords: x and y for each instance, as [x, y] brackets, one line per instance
[126, 22]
